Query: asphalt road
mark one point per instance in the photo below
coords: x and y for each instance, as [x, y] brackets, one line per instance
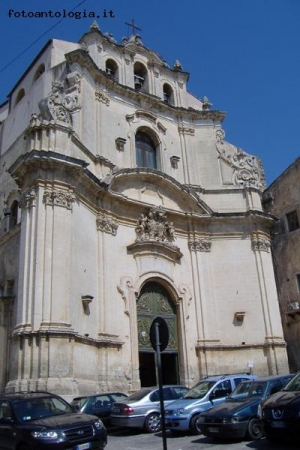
[128, 439]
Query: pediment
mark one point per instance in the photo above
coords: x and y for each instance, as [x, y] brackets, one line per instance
[152, 187]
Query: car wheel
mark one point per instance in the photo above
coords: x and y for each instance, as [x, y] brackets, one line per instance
[194, 426]
[255, 429]
[153, 423]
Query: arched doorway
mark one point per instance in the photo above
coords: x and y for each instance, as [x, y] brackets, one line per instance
[154, 301]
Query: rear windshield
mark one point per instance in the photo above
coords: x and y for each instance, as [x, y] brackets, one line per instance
[139, 395]
[79, 401]
[200, 389]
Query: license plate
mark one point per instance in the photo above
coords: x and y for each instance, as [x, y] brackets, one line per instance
[83, 446]
[277, 424]
[116, 410]
[213, 429]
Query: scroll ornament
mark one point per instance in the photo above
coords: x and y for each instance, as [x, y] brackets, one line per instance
[63, 99]
[106, 224]
[247, 169]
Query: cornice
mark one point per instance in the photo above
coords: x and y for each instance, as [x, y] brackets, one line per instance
[10, 234]
[165, 177]
[155, 248]
[104, 340]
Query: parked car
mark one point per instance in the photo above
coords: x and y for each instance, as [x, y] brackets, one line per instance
[44, 421]
[280, 412]
[142, 409]
[237, 416]
[181, 415]
[99, 405]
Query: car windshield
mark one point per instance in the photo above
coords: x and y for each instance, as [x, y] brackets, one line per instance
[38, 408]
[199, 390]
[294, 384]
[248, 389]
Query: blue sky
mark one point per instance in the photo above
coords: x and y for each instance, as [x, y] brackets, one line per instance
[244, 55]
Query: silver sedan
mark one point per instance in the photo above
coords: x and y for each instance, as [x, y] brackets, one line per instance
[142, 409]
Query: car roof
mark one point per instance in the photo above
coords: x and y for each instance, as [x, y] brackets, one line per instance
[27, 395]
[97, 395]
[228, 376]
[269, 378]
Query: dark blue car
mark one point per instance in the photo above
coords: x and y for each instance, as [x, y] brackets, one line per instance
[237, 417]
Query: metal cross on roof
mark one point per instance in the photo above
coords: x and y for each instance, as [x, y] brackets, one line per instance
[133, 26]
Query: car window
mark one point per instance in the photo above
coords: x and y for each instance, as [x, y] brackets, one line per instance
[5, 411]
[294, 384]
[102, 401]
[168, 394]
[154, 397]
[238, 380]
[179, 391]
[223, 388]
[275, 386]
[79, 401]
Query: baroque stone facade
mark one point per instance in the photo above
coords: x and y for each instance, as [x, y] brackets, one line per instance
[122, 202]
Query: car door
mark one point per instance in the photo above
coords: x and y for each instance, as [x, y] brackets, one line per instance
[7, 426]
[102, 406]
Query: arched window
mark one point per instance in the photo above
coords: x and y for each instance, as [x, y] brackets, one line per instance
[14, 210]
[111, 69]
[145, 151]
[20, 95]
[39, 72]
[140, 77]
[168, 94]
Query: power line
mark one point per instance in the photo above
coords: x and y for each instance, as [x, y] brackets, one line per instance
[36, 40]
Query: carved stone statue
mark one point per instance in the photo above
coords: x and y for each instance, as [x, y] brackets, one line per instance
[155, 226]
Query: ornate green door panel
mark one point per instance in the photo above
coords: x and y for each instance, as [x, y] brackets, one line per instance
[155, 301]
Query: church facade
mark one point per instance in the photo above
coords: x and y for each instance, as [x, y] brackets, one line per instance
[122, 201]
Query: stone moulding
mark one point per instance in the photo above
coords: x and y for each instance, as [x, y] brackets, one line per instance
[107, 224]
[200, 244]
[156, 248]
[228, 347]
[105, 340]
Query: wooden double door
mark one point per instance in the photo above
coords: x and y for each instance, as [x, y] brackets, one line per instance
[155, 301]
